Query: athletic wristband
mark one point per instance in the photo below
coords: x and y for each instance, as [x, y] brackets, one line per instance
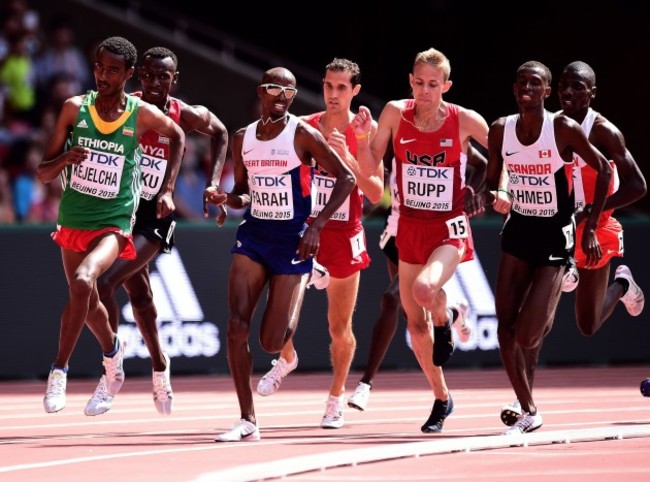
[506, 191]
[362, 136]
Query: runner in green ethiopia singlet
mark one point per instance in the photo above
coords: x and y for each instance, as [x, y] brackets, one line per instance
[104, 190]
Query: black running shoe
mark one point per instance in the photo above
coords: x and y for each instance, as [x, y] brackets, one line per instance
[443, 343]
[440, 411]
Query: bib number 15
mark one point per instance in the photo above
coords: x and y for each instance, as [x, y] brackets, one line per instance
[458, 227]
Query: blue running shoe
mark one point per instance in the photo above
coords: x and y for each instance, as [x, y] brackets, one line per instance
[645, 387]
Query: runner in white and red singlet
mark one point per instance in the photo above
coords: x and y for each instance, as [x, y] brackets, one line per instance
[538, 237]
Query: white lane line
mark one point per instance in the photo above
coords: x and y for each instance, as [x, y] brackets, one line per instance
[322, 461]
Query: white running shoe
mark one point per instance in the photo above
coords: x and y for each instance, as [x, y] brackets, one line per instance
[526, 423]
[460, 323]
[242, 431]
[163, 396]
[359, 398]
[570, 279]
[270, 383]
[333, 417]
[54, 399]
[114, 370]
[511, 413]
[101, 401]
[319, 278]
[634, 299]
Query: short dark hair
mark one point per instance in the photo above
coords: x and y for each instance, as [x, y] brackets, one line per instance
[584, 70]
[534, 64]
[120, 46]
[345, 65]
[161, 53]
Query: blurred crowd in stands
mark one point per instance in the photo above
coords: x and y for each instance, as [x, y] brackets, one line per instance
[40, 67]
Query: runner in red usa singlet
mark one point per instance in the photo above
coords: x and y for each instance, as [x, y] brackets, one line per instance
[430, 183]
[427, 136]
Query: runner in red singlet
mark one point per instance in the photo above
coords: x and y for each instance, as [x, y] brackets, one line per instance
[433, 236]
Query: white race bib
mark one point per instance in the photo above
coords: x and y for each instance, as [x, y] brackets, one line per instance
[153, 173]
[271, 196]
[322, 187]
[99, 175]
[458, 227]
[428, 188]
[358, 243]
[533, 194]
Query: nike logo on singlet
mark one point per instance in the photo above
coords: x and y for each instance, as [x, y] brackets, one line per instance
[511, 153]
[296, 261]
[249, 150]
[406, 141]
[155, 231]
[555, 258]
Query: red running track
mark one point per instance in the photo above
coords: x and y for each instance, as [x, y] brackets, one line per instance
[596, 428]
